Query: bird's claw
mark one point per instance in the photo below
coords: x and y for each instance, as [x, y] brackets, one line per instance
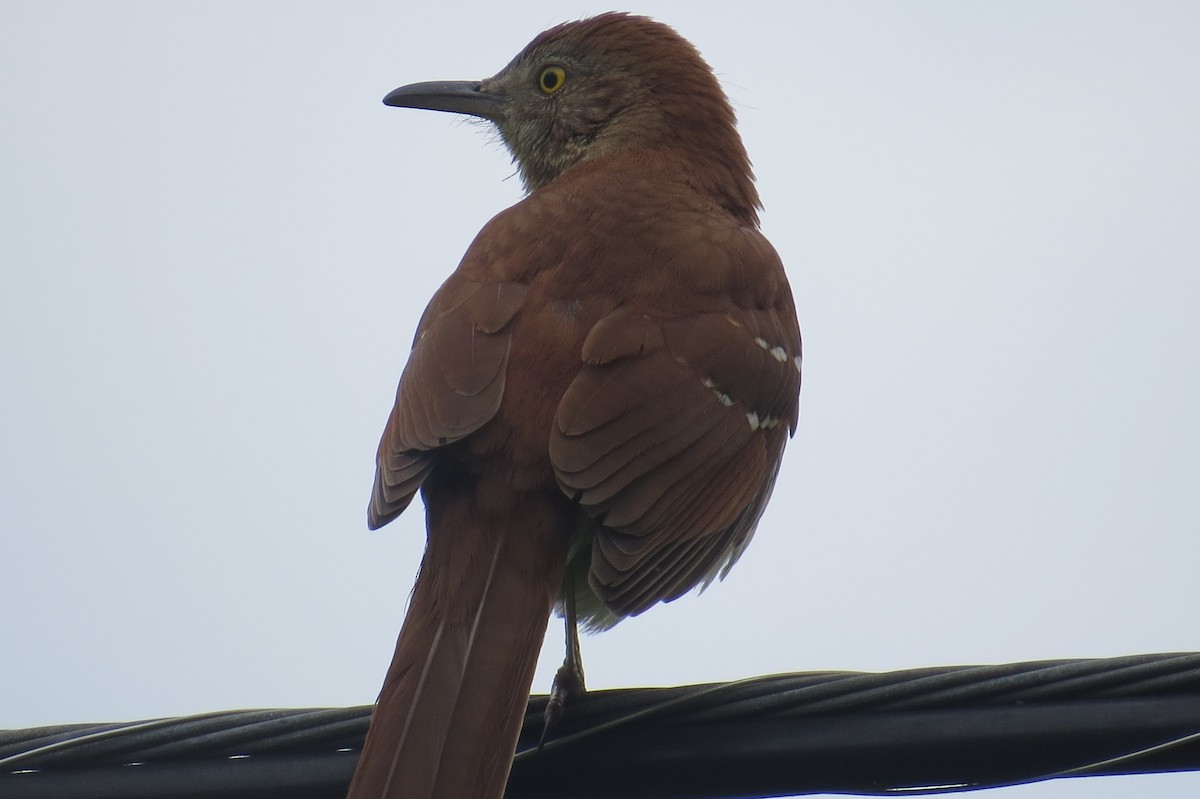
[568, 683]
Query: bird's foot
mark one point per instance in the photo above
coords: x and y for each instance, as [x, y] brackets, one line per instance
[568, 683]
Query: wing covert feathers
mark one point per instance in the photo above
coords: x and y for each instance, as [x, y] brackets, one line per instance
[452, 386]
[671, 437]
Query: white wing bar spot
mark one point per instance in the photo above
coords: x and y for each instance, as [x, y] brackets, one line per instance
[722, 397]
[761, 422]
[778, 353]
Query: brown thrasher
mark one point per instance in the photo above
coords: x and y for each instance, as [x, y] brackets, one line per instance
[597, 400]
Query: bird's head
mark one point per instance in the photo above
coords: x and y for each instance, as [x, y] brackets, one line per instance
[600, 86]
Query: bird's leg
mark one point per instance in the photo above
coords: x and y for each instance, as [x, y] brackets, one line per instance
[568, 680]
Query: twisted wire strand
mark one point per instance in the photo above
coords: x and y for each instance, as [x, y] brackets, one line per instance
[799, 732]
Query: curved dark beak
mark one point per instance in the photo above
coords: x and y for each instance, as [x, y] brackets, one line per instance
[455, 96]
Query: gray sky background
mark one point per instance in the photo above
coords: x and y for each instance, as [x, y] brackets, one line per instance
[217, 243]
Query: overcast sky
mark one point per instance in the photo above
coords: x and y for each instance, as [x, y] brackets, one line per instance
[217, 243]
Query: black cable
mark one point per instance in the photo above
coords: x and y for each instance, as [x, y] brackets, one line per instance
[916, 731]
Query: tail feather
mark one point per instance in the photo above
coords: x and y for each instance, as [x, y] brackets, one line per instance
[447, 720]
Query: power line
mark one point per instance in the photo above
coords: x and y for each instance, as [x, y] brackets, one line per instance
[930, 730]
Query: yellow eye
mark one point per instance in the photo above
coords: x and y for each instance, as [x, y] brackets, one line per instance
[552, 79]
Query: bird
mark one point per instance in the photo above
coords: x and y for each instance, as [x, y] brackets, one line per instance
[596, 401]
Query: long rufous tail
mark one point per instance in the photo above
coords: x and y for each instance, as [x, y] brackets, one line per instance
[447, 719]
